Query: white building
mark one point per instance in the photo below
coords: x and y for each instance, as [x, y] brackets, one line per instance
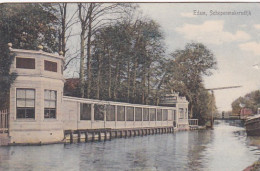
[39, 113]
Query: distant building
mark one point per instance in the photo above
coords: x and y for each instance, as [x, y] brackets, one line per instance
[245, 112]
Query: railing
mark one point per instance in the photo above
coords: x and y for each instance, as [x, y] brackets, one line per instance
[4, 121]
[193, 122]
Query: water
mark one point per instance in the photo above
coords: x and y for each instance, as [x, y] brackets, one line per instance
[225, 148]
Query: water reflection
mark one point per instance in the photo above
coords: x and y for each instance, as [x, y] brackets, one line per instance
[224, 148]
[197, 145]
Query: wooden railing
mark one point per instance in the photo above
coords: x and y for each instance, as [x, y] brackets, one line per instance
[193, 122]
[4, 121]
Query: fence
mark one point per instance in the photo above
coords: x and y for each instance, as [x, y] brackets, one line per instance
[4, 121]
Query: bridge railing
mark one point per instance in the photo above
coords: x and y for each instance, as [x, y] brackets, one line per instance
[193, 122]
[4, 121]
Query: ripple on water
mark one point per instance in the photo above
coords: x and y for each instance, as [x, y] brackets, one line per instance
[224, 148]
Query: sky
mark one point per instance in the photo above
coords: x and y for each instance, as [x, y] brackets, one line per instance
[233, 39]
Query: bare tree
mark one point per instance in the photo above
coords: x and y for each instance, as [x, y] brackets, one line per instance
[66, 21]
[92, 17]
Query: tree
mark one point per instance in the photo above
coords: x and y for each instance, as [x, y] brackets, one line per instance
[6, 78]
[188, 66]
[66, 20]
[28, 25]
[250, 100]
[92, 16]
[25, 26]
[124, 58]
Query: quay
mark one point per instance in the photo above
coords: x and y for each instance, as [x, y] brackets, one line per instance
[92, 135]
[39, 113]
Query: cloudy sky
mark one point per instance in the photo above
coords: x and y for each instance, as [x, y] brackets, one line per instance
[234, 40]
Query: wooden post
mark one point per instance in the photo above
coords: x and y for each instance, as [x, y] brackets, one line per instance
[86, 136]
[105, 135]
[115, 134]
[71, 137]
[78, 136]
[125, 133]
[99, 136]
[110, 135]
[93, 136]
[121, 135]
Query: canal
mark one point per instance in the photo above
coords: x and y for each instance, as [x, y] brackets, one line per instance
[225, 148]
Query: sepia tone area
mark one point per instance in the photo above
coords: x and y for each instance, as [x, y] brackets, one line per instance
[154, 86]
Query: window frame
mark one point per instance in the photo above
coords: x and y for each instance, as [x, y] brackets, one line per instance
[109, 114]
[51, 64]
[144, 114]
[138, 116]
[99, 115]
[123, 113]
[50, 100]
[81, 110]
[130, 113]
[25, 108]
[159, 115]
[23, 58]
[152, 114]
[165, 114]
[181, 113]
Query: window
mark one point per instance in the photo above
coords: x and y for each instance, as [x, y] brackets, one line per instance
[50, 98]
[145, 114]
[165, 114]
[85, 111]
[26, 63]
[138, 114]
[152, 114]
[120, 113]
[130, 113]
[181, 111]
[174, 115]
[50, 66]
[25, 101]
[159, 114]
[170, 115]
[99, 111]
[110, 113]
